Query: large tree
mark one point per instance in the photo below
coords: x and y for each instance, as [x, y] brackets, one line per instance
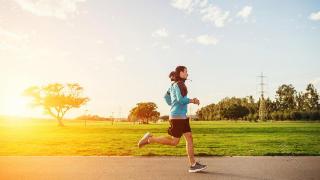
[285, 98]
[311, 102]
[300, 101]
[144, 112]
[57, 99]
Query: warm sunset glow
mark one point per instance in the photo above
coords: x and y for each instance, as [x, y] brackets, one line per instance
[13, 103]
[121, 52]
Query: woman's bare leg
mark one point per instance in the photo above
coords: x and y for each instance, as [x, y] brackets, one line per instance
[189, 147]
[166, 140]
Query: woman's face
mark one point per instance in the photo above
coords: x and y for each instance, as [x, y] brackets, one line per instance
[184, 74]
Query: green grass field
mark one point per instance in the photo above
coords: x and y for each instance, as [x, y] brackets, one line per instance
[218, 138]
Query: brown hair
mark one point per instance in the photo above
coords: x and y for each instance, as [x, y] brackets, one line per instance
[172, 76]
[180, 81]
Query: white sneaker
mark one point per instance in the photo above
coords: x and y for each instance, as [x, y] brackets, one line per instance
[144, 140]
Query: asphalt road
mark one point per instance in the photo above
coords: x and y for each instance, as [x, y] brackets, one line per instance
[159, 167]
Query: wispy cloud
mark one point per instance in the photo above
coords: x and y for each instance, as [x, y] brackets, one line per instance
[11, 40]
[315, 16]
[160, 36]
[245, 12]
[189, 6]
[60, 9]
[11, 35]
[214, 14]
[209, 12]
[206, 40]
[160, 33]
[186, 5]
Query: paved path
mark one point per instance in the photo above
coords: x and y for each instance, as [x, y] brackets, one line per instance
[102, 167]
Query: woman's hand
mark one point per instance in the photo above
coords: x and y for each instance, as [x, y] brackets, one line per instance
[195, 101]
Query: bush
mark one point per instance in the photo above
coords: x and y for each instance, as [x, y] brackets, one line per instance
[268, 116]
[295, 115]
[314, 115]
[275, 115]
[281, 116]
[286, 116]
[165, 117]
[250, 117]
[255, 117]
[305, 115]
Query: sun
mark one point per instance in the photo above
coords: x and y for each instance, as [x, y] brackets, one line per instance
[12, 100]
[15, 105]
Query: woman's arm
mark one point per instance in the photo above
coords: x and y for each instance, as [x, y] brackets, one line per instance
[167, 97]
[180, 98]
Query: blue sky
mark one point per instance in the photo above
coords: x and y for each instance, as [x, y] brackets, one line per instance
[121, 52]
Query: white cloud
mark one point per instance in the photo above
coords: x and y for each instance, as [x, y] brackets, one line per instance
[245, 12]
[315, 16]
[203, 3]
[52, 8]
[214, 14]
[11, 35]
[11, 40]
[209, 12]
[160, 33]
[206, 40]
[186, 5]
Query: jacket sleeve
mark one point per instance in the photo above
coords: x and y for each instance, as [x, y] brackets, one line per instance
[167, 97]
[180, 99]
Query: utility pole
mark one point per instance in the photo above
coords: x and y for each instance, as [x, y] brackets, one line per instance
[85, 119]
[262, 105]
[112, 118]
[119, 113]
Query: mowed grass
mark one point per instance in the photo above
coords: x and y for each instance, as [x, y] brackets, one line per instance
[218, 138]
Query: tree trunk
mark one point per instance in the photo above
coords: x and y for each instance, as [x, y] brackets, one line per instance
[60, 122]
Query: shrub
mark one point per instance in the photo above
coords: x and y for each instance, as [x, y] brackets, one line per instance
[275, 115]
[286, 115]
[314, 115]
[295, 115]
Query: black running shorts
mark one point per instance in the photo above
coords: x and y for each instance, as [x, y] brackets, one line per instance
[178, 127]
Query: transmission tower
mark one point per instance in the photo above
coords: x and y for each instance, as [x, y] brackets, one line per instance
[262, 105]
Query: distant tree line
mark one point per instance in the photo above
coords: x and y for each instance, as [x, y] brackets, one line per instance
[288, 105]
[93, 118]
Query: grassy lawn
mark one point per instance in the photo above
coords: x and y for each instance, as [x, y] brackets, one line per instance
[219, 138]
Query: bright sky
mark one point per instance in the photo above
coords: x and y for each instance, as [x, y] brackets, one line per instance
[122, 51]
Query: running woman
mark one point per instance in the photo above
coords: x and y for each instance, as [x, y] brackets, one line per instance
[176, 97]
